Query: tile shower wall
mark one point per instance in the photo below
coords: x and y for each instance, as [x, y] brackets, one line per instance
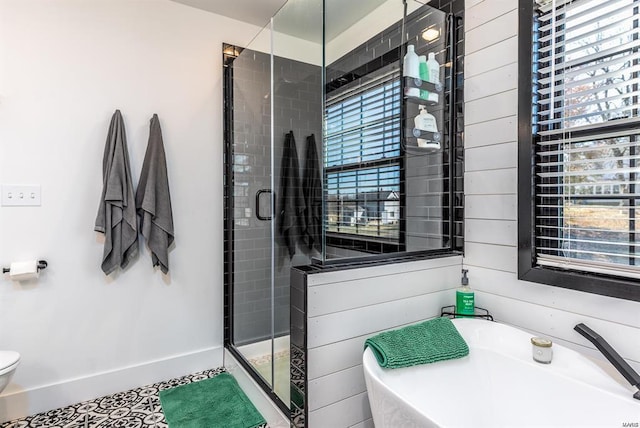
[298, 108]
[491, 248]
[426, 175]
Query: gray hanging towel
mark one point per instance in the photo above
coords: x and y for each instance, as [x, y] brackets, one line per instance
[291, 203]
[312, 191]
[153, 200]
[117, 211]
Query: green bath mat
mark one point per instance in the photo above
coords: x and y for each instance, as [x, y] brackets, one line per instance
[210, 403]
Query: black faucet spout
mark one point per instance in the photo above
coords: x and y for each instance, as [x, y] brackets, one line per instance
[614, 358]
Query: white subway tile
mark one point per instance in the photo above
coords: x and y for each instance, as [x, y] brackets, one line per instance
[490, 132]
[379, 270]
[499, 232]
[499, 257]
[492, 57]
[364, 424]
[492, 32]
[336, 387]
[491, 82]
[335, 357]
[497, 156]
[499, 207]
[341, 414]
[491, 107]
[491, 182]
[483, 12]
[470, 3]
[321, 300]
[340, 326]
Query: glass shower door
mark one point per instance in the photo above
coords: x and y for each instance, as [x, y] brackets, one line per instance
[274, 107]
[250, 258]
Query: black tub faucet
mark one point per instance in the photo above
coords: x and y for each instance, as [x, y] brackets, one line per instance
[614, 358]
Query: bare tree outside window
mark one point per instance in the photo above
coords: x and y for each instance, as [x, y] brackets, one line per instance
[589, 90]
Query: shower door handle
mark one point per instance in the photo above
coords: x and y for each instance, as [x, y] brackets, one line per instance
[272, 196]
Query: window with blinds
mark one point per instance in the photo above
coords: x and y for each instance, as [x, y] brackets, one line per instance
[362, 160]
[586, 129]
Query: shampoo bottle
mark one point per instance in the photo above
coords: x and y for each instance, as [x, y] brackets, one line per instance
[411, 68]
[433, 68]
[427, 123]
[465, 304]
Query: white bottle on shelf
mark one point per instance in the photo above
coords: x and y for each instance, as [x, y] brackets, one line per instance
[434, 75]
[427, 123]
[411, 68]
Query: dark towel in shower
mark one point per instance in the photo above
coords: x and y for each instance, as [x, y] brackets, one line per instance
[291, 202]
[312, 191]
[153, 200]
[117, 211]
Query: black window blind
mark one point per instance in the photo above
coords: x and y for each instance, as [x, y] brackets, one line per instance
[586, 96]
[362, 158]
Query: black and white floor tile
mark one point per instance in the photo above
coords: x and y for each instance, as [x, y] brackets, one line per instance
[137, 408]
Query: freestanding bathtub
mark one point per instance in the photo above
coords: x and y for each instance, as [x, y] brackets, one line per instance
[499, 385]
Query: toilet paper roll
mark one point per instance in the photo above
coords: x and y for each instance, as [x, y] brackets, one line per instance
[22, 271]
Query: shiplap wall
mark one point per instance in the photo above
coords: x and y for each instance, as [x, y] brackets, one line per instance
[491, 104]
[346, 307]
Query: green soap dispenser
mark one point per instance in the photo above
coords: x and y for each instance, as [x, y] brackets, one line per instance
[465, 304]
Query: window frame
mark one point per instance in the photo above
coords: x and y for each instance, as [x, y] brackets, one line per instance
[528, 270]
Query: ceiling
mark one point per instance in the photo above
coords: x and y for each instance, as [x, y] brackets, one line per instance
[299, 18]
[256, 12]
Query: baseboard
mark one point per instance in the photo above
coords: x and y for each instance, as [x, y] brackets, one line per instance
[18, 403]
[271, 412]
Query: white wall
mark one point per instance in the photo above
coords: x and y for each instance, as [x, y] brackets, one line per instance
[370, 300]
[491, 104]
[286, 46]
[367, 26]
[65, 66]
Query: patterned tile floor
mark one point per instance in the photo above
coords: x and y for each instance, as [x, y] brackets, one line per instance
[137, 408]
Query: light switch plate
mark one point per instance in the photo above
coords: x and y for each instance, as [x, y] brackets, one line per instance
[21, 195]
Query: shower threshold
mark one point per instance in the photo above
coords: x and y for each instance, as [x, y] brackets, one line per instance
[259, 356]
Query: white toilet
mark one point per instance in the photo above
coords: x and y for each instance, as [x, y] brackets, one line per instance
[9, 360]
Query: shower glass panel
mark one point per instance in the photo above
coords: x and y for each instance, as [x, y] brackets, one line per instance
[386, 182]
[323, 162]
[297, 156]
[274, 148]
[251, 186]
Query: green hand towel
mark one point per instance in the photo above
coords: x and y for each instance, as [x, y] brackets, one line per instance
[426, 342]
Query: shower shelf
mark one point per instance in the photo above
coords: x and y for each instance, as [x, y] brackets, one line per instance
[411, 82]
[450, 311]
[417, 133]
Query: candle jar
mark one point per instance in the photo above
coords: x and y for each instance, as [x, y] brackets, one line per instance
[541, 350]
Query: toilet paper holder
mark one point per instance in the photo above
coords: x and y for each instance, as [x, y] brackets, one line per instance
[42, 264]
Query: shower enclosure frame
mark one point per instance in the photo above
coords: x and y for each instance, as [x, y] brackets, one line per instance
[454, 154]
[229, 53]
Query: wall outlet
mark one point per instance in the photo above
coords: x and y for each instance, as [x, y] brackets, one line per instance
[20, 195]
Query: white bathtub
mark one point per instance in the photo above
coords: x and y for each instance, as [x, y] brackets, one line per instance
[499, 385]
